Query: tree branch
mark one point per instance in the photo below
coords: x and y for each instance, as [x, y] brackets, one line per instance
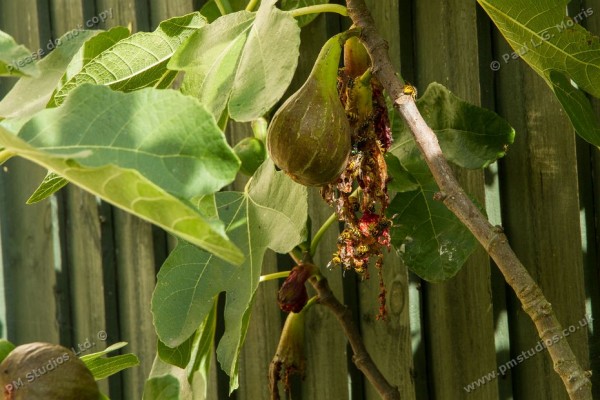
[491, 238]
[361, 357]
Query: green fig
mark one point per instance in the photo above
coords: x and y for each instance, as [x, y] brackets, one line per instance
[356, 58]
[251, 152]
[309, 136]
[46, 371]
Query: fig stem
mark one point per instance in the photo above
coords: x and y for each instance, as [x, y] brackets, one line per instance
[224, 6]
[366, 77]
[296, 255]
[273, 276]
[319, 235]
[251, 5]
[319, 8]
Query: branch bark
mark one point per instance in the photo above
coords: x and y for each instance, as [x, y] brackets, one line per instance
[361, 357]
[454, 197]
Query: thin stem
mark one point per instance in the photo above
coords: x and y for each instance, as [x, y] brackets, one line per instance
[361, 356]
[319, 235]
[220, 7]
[251, 5]
[454, 197]
[273, 276]
[296, 255]
[319, 8]
[310, 302]
[366, 77]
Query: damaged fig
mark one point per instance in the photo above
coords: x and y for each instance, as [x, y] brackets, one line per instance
[309, 136]
[46, 371]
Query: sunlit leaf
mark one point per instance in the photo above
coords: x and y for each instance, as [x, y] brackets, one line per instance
[243, 61]
[16, 59]
[104, 367]
[271, 213]
[137, 61]
[51, 184]
[30, 95]
[137, 149]
[558, 48]
[169, 138]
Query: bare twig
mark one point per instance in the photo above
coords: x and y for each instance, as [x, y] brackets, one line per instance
[361, 357]
[492, 238]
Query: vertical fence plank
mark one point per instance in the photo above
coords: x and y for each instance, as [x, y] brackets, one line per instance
[540, 210]
[32, 269]
[459, 319]
[589, 171]
[388, 342]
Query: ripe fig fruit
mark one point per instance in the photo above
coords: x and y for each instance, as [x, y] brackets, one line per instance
[38, 370]
[251, 152]
[309, 136]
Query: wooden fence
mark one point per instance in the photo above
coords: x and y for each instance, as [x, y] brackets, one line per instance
[73, 267]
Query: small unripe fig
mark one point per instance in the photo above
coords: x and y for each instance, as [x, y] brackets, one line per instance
[309, 136]
[38, 370]
[356, 58]
[251, 152]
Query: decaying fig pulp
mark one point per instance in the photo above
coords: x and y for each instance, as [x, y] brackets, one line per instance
[36, 371]
[309, 136]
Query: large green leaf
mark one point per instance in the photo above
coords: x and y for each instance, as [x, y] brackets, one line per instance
[163, 387]
[90, 49]
[470, 136]
[167, 382]
[271, 213]
[166, 136]
[551, 42]
[430, 239]
[577, 106]
[137, 61]
[432, 242]
[16, 59]
[244, 60]
[119, 185]
[541, 34]
[30, 95]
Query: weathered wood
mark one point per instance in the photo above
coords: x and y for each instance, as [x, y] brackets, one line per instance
[34, 280]
[541, 217]
[589, 171]
[388, 342]
[459, 319]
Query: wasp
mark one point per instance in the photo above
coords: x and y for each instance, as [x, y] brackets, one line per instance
[410, 90]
